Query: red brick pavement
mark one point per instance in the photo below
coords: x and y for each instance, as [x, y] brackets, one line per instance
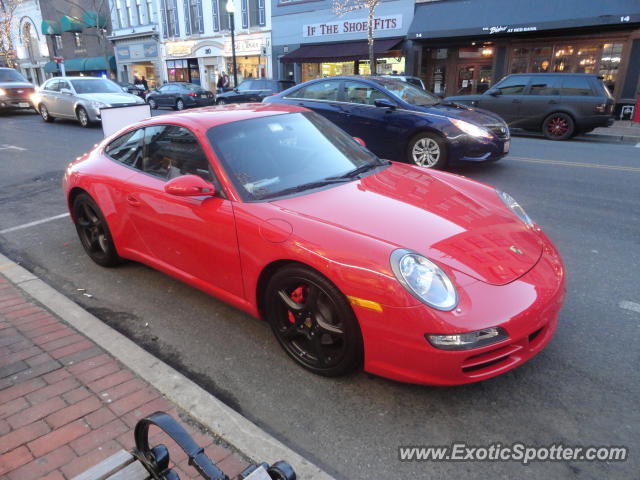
[65, 404]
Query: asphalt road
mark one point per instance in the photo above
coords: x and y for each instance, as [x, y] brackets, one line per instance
[583, 389]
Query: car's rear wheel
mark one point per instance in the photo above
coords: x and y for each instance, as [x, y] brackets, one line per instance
[558, 126]
[152, 104]
[221, 101]
[313, 321]
[94, 232]
[179, 104]
[44, 113]
[427, 150]
[83, 117]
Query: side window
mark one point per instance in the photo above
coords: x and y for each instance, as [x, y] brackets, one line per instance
[63, 84]
[164, 89]
[513, 85]
[318, 91]
[246, 85]
[575, 86]
[356, 92]
[543, 85]
[172, 151]
[127, 148]
[53, 86]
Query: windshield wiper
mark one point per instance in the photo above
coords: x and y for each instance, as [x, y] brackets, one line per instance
[305, 186]
[357, 171]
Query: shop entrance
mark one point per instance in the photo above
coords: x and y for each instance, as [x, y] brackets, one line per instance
[473, 78]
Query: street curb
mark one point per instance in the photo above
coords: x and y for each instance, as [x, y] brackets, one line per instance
[608, 138]
[201, 405]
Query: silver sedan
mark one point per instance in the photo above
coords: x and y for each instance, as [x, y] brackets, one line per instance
[80, 98]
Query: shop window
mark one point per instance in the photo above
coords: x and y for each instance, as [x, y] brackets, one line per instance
[513, 85]
[587, 59]
[486, 51]
[543, 85]
[563, 59]
[610, 63]
[541, 59]
[520, 60]
[319, 91]
[575, 86]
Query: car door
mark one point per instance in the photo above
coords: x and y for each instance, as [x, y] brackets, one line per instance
[49, 95]
[322, 97]
[578, 96]
[243, 93]
[163, 95]
[541, 98]
[66, 100]
[193, 237]
[506, 98]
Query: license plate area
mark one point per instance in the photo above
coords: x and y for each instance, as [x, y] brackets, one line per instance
[507, 144]
[23, 105]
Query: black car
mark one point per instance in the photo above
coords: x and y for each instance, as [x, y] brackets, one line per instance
[254, 91]
[560, 105]
[402, 122]
[133, 89]
[180, 95]
[15, 90]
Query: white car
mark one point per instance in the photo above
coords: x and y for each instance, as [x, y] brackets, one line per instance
[80, 98]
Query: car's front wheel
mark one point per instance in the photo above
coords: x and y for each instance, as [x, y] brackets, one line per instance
[427, 150]
[83, 117]
[558, 126]
[44, 113]
[152, 104]
[179, 104]
[94, 232]
[221, 101]
[313, 321]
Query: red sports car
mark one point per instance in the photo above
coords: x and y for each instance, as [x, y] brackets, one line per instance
[416, 275]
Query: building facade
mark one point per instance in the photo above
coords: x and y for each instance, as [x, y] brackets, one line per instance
[311, 41]
[136, 40]
[464, 46]
[32, 52]
[196, 40]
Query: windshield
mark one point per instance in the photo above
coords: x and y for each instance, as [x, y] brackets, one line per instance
[410, 94]
[288, 153]
[11, 76]
[95, 85]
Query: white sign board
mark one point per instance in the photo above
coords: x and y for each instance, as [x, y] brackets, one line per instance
[359, 25]
[115, 118]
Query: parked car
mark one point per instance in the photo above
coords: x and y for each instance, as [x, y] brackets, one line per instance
[133, 89]
[253, 91]
[560, 105]
[15, 90]
[80, 98]
[416, 81]
[180, 95]
[341, 252]
[402, 122]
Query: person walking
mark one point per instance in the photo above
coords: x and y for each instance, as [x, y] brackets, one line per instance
[223, 82]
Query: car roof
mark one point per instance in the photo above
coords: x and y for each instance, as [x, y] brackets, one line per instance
[76, 78]
[553, 73]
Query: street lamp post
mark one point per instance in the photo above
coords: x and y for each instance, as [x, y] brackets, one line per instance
[230, 10]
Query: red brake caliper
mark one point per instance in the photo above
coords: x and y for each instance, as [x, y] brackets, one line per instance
[297, 296]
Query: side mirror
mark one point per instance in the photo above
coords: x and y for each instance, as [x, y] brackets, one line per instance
[360, 141]
[189, 186]
[494, 92]
[66, 91]
[384, 103]
[439, 94]
[236, 89]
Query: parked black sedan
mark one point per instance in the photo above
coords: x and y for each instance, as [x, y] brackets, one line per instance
[180, 95]
[133, 89]
[15, 90]
[560, 105]
[401, 122]
[254, 91]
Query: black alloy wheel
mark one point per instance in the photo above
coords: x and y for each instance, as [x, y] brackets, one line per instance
[558, 126]
[94, 232]
[313, 321]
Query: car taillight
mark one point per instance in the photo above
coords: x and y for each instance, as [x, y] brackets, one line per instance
[191, 94]
[274, 93]
[601, 108]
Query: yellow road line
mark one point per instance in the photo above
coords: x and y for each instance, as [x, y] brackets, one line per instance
[575, 164]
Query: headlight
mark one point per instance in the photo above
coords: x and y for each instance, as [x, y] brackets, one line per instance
[98, 105]
[465, 341]
[471, 129]
[515, 207]
[424, 279]
[2, 92]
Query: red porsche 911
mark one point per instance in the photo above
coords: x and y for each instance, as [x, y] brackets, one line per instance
[356, 262]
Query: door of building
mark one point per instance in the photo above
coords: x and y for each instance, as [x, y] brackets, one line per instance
[473, 78]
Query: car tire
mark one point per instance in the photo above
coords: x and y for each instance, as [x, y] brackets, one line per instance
[83, 117]
[94, 232]
[222, 101]
[153, 105]
[44, 113]
[427, 150]
[558, 126]
[179, 104]
[313, 321]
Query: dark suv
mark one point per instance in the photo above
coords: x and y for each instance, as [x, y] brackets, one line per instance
[254, 91]
[15, 90]
[560, 105]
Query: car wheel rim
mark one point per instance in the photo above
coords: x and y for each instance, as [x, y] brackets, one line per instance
[44, 112]
[180, 105]
[82, 115]
[308, 324]
[426, 152]
[558, 126]
[221, 102]
[152, 104]
[92, 231]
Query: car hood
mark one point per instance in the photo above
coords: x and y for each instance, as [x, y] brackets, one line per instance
[16, 85]
[462, 112]
[110, 98]
[466, 229]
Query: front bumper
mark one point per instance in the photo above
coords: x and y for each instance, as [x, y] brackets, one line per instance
[527, 308]
[15, 103]
[469, 149]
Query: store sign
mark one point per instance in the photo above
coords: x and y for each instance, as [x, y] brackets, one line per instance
[179, 49]
[508, 29]
[360, 25]
[150, 50]
[249, 45]
[123, 52]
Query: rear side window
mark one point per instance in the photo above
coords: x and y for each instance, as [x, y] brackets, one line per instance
[53, 86]
[545, 85]
[576, 86]
[127, 148]
[513, 85]
[356, 92]
[319, 91]
[283, 85]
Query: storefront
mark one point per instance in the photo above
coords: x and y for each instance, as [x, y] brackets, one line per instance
[464, 49]
[251, 56]
[138, 57]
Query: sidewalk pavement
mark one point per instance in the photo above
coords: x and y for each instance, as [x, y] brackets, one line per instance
[66, 404]
[621, 130]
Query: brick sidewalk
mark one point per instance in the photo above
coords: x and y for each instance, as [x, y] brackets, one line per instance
[65, 404]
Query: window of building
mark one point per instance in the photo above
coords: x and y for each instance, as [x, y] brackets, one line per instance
[541, 59]
[244, 13]
[139, 14]
[586, 59]
[149, 11]
[58, 40]
[172, 31]
[610, 63]
[128, 13]
[256, 13]
[177, 70]
[119, 17]
[520, 60]
[224, 19]
[77, 39]
[195, 11]
[563, 58]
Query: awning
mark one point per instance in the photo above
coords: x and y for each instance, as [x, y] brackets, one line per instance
[463, 18]
[50, 67]
[339, 52]
[50, 27]
[95, 19]
[74, 65]
[99, 63]
[71, 24]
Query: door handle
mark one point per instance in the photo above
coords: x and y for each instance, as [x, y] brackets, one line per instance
[133, 201]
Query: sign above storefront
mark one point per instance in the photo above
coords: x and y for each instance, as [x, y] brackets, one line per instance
[179, 49]
[508, 29]
[248, 44]
[359, 25]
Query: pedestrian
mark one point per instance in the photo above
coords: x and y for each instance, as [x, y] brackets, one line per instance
[223, 82]
[143, 82]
